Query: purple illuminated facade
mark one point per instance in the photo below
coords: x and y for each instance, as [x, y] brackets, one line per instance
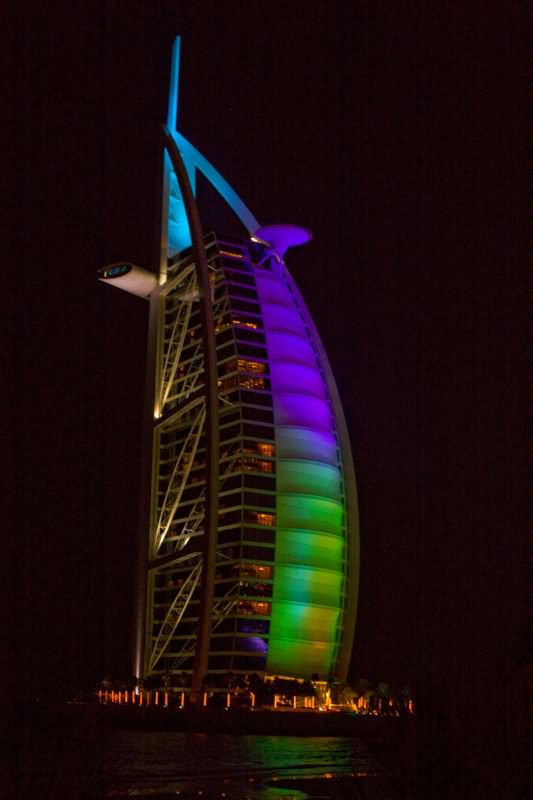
[316, 555]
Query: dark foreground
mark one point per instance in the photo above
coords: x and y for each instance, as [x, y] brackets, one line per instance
[93, 752]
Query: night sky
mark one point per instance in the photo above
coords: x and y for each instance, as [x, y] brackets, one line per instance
[397, 133]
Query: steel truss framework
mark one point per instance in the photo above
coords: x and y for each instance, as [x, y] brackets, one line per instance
[179, 485]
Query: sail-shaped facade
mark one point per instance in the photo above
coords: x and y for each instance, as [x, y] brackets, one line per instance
[249, 547]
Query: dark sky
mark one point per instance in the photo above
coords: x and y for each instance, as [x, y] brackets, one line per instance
[397, 133]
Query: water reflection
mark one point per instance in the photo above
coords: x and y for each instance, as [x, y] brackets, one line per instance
[163, 765]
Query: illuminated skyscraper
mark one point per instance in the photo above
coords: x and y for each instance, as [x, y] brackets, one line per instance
[249, 544]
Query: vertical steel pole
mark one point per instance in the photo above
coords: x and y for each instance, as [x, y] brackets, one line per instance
[141, 588]
[209, 539]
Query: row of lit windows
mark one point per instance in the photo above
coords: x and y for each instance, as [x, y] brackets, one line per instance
[244, 323]
[245, 327]
[249, 382]
[243, 365]
[265, 519]
[261, 518]
[244, 381]
[253, 607]
[238, 569]
[253, 570]
[244, 607]
[256, 367]
[256, 465]
[216, 251]
[232, 516]
[230, 507]
[231, 254]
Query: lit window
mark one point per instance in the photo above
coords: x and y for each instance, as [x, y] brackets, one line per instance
[243, 323]
[254, 570]
[229, 254]
[249, 382]
[264, 519]
[253, 607]
[265, 449]
[260, 608]
[256, 465]
[245, 365]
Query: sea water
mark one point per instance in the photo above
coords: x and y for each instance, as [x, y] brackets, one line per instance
[160, 765]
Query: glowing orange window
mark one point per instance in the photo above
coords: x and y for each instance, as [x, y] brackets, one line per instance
[255, 570]
[255, 464]
[249, 382]
[253, 607]
[245, 365]
[265, 449]
[243, 323]
[265, 519]
[230, 254]
[260, 608]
